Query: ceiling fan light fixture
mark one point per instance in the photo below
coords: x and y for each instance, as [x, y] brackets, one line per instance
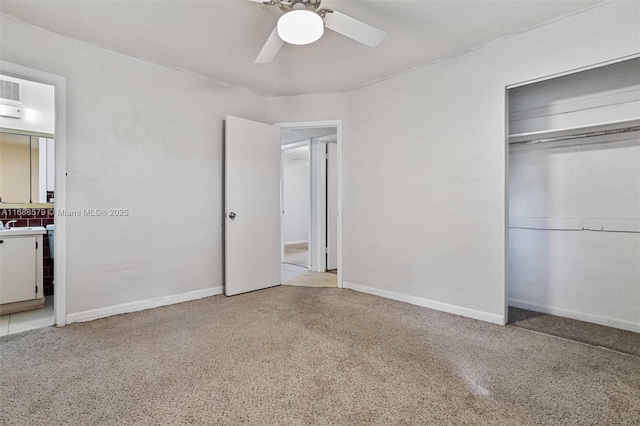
[300, 27]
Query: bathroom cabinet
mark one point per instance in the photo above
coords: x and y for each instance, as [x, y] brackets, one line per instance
[20, 272]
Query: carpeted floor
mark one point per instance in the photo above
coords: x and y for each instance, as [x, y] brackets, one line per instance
[298, 355]
[586, 332]
[297, 254]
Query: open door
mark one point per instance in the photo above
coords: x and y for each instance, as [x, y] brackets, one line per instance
[252, 206]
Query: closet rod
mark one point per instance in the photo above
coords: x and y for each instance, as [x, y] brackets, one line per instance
[580, 136]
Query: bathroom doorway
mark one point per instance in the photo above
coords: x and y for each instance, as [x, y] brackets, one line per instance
[32, 163]
[27, 197]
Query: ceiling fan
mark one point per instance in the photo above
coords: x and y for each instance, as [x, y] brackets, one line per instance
[304, 22]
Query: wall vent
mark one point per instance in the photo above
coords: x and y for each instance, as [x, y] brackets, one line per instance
[10, 90]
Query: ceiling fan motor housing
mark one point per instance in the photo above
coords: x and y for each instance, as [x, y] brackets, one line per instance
[287, 5]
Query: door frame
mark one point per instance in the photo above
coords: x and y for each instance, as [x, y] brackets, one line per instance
[60, 134]
[322, 195]
[322, 225]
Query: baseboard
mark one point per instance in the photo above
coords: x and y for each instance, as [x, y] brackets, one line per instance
[580, 316]
[290, 243]
[431, 304]
[142, 305]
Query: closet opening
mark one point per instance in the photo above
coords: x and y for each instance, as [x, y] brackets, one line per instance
[574, 206]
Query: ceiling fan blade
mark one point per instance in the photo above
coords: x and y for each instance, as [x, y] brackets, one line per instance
[354, 29]
[270, 48]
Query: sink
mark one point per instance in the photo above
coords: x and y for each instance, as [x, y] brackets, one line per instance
[25, 230]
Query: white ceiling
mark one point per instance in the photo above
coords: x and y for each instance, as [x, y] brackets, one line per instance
[288, 136]
[221, 38]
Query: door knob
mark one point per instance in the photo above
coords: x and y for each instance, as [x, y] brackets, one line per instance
[232, 215]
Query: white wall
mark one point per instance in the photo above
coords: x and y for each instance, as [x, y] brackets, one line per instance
[425, 161]
[144, 138]
[296, 195]
[36, 101]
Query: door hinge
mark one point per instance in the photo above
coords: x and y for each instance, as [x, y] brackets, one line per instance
[36, 245]
[36, 289]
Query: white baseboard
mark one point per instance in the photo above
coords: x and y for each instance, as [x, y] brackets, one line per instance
[431, 304]
[290, 243]
[142, 305]
[580, 316]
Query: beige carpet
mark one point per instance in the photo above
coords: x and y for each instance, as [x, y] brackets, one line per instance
[297, 355]
[297, 254]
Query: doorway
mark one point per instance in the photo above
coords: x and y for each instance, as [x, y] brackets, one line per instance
[310, 203]
[253, 205]
[32, 134]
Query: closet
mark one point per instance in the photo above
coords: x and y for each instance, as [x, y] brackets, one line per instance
[574, 196]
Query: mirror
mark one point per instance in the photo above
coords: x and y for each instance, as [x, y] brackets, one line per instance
[26, 168]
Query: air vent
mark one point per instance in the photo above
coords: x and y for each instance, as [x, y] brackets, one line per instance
[10, 90]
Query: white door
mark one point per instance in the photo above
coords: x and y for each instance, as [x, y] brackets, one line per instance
[332, 206]
[17, 269]
[252, 206]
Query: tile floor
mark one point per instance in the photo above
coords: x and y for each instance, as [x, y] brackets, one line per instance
[28, 320]
[302, 277]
